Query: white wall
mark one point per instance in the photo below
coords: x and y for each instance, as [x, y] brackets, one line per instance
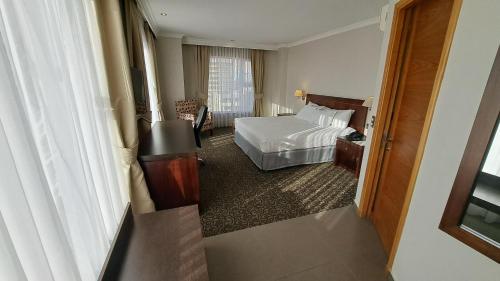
[342, 65]
[171, 73]
[425, 252]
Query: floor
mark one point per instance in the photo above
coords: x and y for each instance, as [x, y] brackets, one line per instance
[332, 245]
[235, 194]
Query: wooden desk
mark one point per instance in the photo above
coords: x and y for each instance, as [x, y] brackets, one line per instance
[160, 246]
[168, 157]
[486, 193]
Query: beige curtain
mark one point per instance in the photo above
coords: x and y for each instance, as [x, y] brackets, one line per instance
[202, 62]
[151, 43]
[122, 101]
[257, 60]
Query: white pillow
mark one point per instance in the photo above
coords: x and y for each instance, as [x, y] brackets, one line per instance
[326, 116]
[342, 118]
[308, 113]
[318, 115]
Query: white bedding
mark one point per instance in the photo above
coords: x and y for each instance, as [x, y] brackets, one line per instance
[275, 134]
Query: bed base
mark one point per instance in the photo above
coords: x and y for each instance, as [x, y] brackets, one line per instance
[283, 159]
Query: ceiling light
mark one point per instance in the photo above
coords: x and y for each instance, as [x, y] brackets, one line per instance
[163, 14]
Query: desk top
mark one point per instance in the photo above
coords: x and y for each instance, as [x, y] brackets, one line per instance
[166, 245]
[168, 139]
[487, 189]
[487, 193]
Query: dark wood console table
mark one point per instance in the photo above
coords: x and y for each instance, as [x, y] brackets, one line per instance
[168, 157]
[160, 246]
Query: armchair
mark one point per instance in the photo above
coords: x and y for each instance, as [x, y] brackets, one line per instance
[188, 110]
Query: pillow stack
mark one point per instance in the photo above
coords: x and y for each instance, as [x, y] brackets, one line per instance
[324, 116]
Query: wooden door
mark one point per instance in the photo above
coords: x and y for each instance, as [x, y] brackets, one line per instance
[423, 34]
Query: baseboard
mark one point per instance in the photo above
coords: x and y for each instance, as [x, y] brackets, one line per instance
[358, 211]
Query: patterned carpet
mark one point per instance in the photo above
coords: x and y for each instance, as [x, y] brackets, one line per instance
[235, 194]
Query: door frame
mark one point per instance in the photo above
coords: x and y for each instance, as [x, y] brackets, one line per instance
[388, 91]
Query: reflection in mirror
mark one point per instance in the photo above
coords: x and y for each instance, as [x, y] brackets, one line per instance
[482, 216]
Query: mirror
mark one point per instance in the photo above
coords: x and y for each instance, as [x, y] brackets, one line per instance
[482, 215]
[472, 213]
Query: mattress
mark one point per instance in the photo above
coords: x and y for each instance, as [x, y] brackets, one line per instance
[278, 134]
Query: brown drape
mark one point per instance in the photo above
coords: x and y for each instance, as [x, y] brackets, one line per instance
[257, 61]
[122, 101]
[151, 43]
[134, 22]
[202, 62]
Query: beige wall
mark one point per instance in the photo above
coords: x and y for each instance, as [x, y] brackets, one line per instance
[345, 65]
[171, 73]
[275, 82]
[342, 65]
[270, 81]
[190, 77]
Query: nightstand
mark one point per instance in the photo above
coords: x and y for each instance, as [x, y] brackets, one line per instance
[285, 114]
[349, 154]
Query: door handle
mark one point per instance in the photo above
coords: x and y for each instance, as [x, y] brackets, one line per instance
[388, 143]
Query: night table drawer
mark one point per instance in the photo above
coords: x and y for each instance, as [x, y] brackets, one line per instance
[349, 155]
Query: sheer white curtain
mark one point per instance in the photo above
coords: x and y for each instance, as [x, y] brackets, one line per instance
[60, 196]
[151, 79]
[230, 85]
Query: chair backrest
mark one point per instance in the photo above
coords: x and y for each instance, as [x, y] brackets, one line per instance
[200, 120]
[187, 106]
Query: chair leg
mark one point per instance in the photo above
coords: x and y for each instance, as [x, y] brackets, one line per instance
[211, 132]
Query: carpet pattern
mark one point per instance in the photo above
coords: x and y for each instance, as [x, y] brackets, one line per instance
[235, 194]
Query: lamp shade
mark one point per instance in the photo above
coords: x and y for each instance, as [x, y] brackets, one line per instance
[368, 102]
[299, 93]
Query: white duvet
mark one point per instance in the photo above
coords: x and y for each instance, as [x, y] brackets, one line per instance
[275, 134]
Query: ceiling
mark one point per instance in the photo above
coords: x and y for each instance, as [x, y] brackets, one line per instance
[257, 21]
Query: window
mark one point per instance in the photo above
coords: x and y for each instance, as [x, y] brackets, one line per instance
[151, 79]
[230, 85]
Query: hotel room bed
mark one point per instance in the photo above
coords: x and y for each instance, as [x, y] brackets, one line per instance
[279, 142]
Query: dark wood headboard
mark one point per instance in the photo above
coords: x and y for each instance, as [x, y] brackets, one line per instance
[358, 119]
